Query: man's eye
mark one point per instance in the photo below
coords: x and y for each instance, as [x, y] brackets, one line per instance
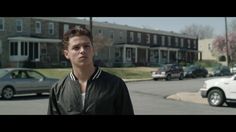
[76, 48]
[87, 46]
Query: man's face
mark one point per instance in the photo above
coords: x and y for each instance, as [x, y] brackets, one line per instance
[80, 51]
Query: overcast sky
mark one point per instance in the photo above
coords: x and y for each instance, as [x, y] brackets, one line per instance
[169, 23]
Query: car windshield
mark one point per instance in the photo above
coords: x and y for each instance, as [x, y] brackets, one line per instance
[165, 67]
[191, 68]
[3, 73]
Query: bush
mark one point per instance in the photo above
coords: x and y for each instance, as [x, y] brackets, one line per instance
[207, 63]
[120, 64]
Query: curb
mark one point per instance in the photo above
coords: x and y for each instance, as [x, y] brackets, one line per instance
[136, 80]
[193, 97]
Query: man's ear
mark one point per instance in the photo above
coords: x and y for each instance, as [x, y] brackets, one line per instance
[66, 54]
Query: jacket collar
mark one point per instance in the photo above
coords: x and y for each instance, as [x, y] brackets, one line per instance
[94, 76]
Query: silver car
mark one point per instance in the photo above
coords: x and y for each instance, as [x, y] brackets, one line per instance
[23, 81]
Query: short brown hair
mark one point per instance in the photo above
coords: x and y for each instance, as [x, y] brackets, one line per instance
[81, 31]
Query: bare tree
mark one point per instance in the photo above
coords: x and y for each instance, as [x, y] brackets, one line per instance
[200, 31]
[101, 42]
[219, 45]
[232, 26]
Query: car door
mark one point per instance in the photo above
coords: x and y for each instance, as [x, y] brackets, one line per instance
[20, 84]
[231, 88]
[37, 81]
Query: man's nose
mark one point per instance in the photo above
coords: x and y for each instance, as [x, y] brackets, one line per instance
[82, 50]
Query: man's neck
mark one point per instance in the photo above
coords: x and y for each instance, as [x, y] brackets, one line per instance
[83, 73]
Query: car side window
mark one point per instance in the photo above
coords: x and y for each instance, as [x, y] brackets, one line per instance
[13, 75]
[34, 75]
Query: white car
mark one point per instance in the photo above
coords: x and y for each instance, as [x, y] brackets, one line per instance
[219, 91]
[233, 69]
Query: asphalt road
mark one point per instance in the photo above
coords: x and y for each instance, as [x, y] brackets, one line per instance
[148, 97]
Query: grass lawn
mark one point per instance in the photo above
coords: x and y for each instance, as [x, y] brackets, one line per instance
[125, 73]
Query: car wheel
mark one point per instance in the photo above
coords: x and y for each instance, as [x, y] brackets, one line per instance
[216, 97]
[168, 77]
[181, 77]
[7, 93]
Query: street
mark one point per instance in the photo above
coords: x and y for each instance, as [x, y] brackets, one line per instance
[148, 97]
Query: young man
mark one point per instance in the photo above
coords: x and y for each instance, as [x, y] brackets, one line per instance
[87, 89]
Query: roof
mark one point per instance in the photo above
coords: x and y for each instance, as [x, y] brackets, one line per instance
[75, 20]
[34, 39]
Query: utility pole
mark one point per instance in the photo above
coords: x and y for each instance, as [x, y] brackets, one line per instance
[226, 42]
[91, 28]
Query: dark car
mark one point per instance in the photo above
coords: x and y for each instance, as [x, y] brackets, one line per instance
[194, 71]
[168, 72]
[221, 71]
[23, 81]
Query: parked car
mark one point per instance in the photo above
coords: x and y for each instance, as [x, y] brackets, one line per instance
[194, 71]
[233, 69]
[220, 90]
[220, 71]
[168, 72]
[23, 81]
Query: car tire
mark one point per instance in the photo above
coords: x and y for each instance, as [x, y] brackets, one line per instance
[216, 97]
[181, 77]
[168, 77]
[7, 93]
[155, 79]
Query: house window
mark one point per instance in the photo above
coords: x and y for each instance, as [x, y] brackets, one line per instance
[2, 24]
[176, 42]
[188, 43]
[112, 35]
[162, 40]
[182, 42]
[37, 27]
[43, 51]
[209, 46]
[139, 38]
[155, 39]
[194, 44]
[131, 36]
[24, 48]
[51, 28]
[169, 40]
[66, 27]
[0, 46]
[100, 33]
[128, 54]
[19, 25]
[121, 34]
[34, 52]
[148, 38]
[13, 48]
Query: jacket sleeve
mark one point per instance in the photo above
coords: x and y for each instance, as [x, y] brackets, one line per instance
[123, 104]
[52, 106]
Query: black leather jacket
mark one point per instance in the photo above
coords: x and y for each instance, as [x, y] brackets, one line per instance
[105, 94]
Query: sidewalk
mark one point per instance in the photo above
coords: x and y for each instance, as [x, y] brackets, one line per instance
[193, 97]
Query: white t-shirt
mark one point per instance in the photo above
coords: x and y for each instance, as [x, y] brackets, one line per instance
[83, 98]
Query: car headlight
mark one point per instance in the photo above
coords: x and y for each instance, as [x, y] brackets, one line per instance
[163, 73]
